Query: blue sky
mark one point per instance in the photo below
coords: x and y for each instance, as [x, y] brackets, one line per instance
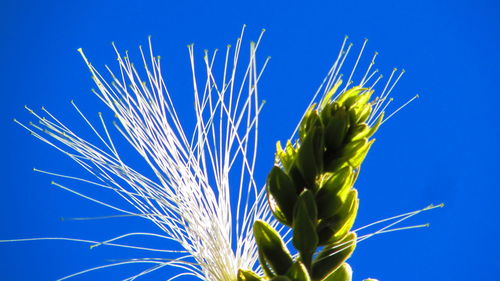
[441, 148]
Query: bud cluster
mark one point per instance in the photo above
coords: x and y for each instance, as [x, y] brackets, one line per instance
[310, 189]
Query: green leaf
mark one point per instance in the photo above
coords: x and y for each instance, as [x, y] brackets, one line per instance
[332, 257]
[248, 275]
[343, 273]
[298, 272]
[282, 190]
[305, 238]
[273, 249]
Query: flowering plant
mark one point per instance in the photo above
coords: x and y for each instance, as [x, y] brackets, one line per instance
[309, 197]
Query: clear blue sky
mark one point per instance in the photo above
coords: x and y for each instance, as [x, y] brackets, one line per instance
[441, 148]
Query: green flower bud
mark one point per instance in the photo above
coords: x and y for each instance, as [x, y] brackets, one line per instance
[359, 132]
[375, 127]
[333, 256]
[286, 156]
[282, 192]
[331, 229]
[354, 148]
[328, 97]
[356, 160]
[298, 272]
[310, 122]
[273, 250]
[360, 99]
[332, 193]
[336, 130]
[309, 159]
[343, 273]
[350, 93]
[360, 114]
[305, 238]
[352, 154]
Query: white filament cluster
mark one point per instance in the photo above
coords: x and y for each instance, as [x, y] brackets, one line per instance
[190, 197]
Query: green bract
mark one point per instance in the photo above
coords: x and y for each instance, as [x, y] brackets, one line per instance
[310, 189]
